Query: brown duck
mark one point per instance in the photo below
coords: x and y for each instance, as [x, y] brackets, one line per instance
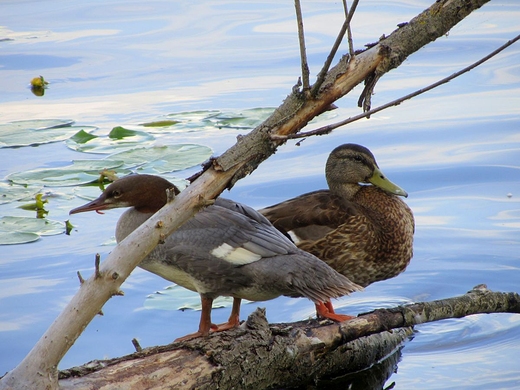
[364, 232]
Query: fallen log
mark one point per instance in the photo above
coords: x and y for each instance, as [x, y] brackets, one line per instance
[259, 355]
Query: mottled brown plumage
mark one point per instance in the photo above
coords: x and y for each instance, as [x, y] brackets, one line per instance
[365, 232]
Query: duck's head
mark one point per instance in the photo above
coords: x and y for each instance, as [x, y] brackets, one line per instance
[146, 193]
[351, 164]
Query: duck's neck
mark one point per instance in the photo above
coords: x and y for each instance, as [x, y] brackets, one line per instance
[130, 220]
[344, 190]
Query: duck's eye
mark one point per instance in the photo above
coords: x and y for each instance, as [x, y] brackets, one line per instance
[358, 159]
[116, 193]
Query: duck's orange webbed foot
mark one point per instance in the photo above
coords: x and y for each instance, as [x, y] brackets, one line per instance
[325, 310]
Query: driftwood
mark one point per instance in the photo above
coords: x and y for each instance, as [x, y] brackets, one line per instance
[38, 370]
[259, 355]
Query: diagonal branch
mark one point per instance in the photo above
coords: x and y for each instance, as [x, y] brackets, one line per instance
[327, 129]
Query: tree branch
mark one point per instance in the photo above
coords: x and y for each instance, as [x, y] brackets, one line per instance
[259, 355]
[303, 53]
[327, 129]
[345, 27]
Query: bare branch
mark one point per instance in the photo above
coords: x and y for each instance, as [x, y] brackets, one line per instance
[323, 72]
[96, 264]
[303, 53]
[349, 32]
[327, 129]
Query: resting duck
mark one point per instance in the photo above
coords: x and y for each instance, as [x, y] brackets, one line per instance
[227, 249]
[364, 232]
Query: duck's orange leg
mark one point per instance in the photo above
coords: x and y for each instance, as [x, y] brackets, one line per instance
[205, 325]
[234, 318]
[205, 320]
[325, 310]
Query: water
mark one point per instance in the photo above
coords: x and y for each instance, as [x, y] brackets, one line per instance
[455, 150]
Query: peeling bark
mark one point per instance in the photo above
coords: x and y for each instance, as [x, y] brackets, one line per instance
[259, 355]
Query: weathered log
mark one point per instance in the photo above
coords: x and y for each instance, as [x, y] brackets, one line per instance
[259, 355]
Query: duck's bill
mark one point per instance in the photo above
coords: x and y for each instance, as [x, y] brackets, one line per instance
[380, 180]
[96, 205]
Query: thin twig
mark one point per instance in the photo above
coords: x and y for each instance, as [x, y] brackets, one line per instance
[349, 32]
[327, 129]
[323, 72]
[96, 264]
[303, 53]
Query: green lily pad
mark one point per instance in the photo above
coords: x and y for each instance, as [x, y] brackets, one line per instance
[80, 172]
[178, 298]
[163, 159]
[188, 121]
[211, 119]
[10, 192]
[37, 132]
[245, 119]
[163, 123]
[20, 230]
[118, 139]
[13, 238]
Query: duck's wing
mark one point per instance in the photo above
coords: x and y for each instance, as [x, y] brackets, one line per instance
[310, 216]
[233, 232]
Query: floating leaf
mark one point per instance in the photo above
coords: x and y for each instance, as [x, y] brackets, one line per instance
[245, 119]
[10, 192]
[178, 298]
[38, 205]
[20, 230]
[80, 172]
[185, 122]
[68, 227]
[12, 238]
[82, 137]
[164, 123]
[37, 132]
[38, 82]
[119, 138]
[163, 159]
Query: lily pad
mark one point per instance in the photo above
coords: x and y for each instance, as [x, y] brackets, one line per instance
[10, 192]
[118, 139]
[163, 123]
[178, 298]
[20, 230]
[188, 121]
[37, 132]
[80, 172]
[211, 119]
[245, 119]
[163, 159]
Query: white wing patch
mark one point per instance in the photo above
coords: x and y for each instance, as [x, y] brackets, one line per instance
[238, 256]
[296, 239]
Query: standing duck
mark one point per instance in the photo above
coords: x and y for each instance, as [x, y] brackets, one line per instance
[364, 232]
[227, 249]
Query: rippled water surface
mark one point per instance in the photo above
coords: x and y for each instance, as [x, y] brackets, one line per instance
[456, 150]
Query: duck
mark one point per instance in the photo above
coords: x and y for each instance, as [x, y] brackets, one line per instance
[360, 225]
[226, 249]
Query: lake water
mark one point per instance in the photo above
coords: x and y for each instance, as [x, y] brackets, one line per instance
[456, 150]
